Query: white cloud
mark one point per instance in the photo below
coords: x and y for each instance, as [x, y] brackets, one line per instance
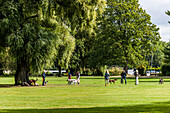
[165, 33]
[156, 9]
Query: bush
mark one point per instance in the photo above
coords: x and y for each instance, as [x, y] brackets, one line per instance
[49, 74]
[168, 73]
[115, 71]
[141, 69]
[1, 72]
[165, 69]
[154, 68]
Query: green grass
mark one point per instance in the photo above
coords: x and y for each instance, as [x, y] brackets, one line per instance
[89, 96]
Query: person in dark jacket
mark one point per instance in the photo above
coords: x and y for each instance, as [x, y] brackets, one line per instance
[43, 76]
[107, 76]
[123, 76]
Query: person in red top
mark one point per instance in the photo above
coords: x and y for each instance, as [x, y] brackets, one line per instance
[78, 75]
[43, 76]
[69, 76]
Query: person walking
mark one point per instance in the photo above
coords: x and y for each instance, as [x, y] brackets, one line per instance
[136, 76]
[43, 76]
[123, 76]
[107, 76]
[69, 75]
[78, 75]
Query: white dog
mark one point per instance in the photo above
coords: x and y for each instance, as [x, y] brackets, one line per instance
[73, 81]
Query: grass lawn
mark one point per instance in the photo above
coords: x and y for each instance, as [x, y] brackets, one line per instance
[90, 96]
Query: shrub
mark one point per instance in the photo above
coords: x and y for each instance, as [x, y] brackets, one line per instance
[141, 69]
[165, 69]
[49, 74]
[168, 73]
[115, 71]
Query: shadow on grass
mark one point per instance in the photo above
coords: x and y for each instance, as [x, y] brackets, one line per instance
[163, 107]
[92, 78]
[6, 85]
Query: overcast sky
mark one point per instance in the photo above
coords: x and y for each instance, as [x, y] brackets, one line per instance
[156, 9]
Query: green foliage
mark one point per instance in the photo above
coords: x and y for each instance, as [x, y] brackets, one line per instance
[125, 35]
[65, 48]
[156, 55]
[115, 71]
[49, 74]
[165, 69]
[154, 68]
[7, 62]
[166, 66]
[141, 68]
[167, 55]
[39, 31]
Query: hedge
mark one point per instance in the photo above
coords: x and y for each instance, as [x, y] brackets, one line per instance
[165, 69]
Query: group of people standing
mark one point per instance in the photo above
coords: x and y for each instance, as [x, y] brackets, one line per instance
[107, 77]
[123, 77]
[77, 75]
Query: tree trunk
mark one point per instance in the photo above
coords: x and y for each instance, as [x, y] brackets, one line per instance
[59, 68]
[22, 73]
[126, 66]
[126, 69]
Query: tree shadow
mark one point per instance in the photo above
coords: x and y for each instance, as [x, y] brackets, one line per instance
[6, 85]
[92, 78]
[163, 107]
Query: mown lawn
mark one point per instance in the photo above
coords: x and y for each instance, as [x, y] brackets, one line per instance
[90, 96]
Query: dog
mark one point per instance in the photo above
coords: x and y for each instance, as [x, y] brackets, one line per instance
[46, 82]
[112, 81]
[73, 81]
[161, 81]
[33, 82]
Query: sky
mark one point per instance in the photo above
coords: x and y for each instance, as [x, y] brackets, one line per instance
[156, 9]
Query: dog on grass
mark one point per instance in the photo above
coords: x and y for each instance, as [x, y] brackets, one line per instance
[33, 82]
[73, 81]
[161, 81]
[112, 81]
[46, 82]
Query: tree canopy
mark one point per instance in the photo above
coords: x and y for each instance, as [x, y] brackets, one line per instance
[36, 30]
[38, 34]
[125, 34]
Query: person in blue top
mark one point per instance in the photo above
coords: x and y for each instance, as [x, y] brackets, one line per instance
[69, 76]
[123, 76]
[107, 76]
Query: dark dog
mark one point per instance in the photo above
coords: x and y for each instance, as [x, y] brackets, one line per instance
[161, 81]
[33, 82]
[112, 81]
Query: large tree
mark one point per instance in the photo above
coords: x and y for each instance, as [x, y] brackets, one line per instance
[167, 55]
[125, 34]
[65, 49]
[30, 29]
[165, 68]
[155, 58]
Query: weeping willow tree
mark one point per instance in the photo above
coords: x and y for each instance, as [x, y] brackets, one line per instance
[65, 48]
[30, 28]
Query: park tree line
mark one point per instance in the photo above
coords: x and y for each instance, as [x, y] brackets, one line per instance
[74, 34]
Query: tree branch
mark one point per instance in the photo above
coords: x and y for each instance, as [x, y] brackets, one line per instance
[61, 3]
[34, 16]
